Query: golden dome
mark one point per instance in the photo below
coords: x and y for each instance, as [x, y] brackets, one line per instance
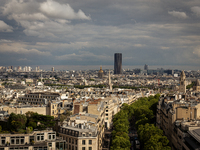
[100, 71]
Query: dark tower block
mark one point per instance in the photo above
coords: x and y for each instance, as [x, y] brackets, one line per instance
[118, 63]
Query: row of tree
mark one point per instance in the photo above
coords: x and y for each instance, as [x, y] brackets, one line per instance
[20, 122]
[120, 138]
[139, 115]
[150, 136]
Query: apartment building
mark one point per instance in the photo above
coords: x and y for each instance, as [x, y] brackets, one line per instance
[38, 98]
[178, 116]
[81, 132]
[37, 140]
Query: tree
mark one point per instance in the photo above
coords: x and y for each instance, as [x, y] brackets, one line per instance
[120, 143]
[122, 134]
[29, 129]
[32, 124]
[121, 121]
[141, 122]
[44, 121]
[64, 116]
[17, 122]
[152, 138]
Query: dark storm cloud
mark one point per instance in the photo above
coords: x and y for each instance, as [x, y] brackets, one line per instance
[89, 32]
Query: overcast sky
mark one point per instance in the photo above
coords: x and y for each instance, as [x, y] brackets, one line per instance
[89, 32]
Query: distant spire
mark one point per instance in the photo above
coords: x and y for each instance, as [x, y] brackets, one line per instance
[109, 81]
[41, 77]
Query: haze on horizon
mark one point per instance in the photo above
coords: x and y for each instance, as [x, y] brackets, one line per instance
[88, 32]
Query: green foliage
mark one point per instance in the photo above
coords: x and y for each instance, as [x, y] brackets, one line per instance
[39, 121]
[0, 128]
[29, 129]
[62, 117]
[152, 137]
[120, 133]
[17, 122]
[92, 79]
[87, 86]
[190, 85]
[142, 112]
[128, 87]
[32, 124]
[120, 143]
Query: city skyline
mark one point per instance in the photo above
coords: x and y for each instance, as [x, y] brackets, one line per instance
[35, 33]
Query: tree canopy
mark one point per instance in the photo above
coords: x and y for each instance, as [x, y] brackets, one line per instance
[19, 122]
[142, 112]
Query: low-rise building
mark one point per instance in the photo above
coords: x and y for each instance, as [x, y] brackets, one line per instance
[37, 140]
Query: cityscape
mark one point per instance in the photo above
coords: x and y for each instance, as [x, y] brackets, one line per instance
[99, 109]
[99, 75]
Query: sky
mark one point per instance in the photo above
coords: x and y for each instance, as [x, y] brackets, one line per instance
[85, 33]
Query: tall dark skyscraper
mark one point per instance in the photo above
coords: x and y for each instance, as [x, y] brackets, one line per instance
[118, 63]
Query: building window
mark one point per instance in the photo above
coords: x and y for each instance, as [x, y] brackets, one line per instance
[90, 141]
[50, 144]
[40, 136]
[83, 142]
[31, 138]
[52, 135]
[69, 140]
[72, 141]
[3, 140]
[90, 148]
[106, 114]
[12, 141]
[83, 148]
[76, 142]
[17, 140]
[106, 110]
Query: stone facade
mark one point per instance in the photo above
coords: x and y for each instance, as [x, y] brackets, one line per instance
[36, 140]
[182, 87]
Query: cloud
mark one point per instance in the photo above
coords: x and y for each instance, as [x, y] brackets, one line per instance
[47, 19]
[5, 41]
[23, 59]
[139, 45]
[28, 17]
[33, 10]
[4, 27]
[59, 31]
[55, 10]
[181, 15]
[196, 51]
[196, 10]
[164, 48]
[82, 57]
[21, 48]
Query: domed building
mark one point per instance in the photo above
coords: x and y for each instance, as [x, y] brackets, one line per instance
[197, 86]
[100, 73]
